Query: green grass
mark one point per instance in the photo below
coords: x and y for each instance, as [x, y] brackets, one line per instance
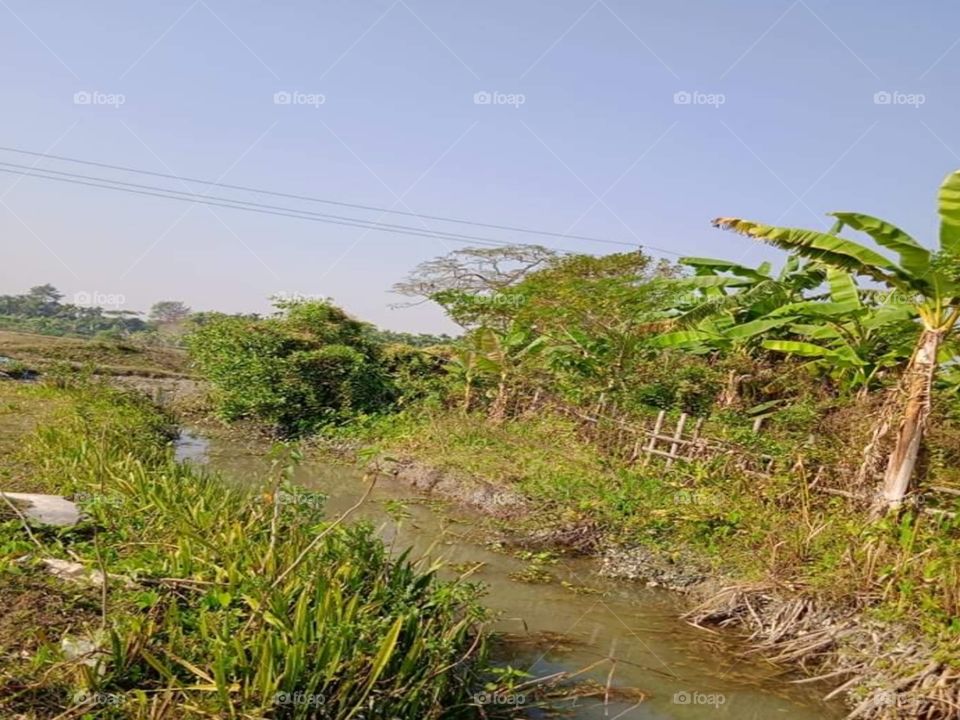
[221, 602]
[746, 528]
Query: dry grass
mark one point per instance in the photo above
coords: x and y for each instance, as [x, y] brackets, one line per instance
[104, 357]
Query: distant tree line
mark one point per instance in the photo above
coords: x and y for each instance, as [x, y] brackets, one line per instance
[42, 310]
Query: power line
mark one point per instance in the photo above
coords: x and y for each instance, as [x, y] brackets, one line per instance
[281, 211]
[219, 201]
[308, 198]
[202, 200]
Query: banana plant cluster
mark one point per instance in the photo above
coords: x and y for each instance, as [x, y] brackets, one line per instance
[927, 284]
[849, 339]
[728, 305]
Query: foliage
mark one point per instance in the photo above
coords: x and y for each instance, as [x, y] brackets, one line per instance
[40, 310]
[691, 386]
[418, 375]
[169, 311]
[224, 602]
[927, 285]
[416, 340]
[310, 364]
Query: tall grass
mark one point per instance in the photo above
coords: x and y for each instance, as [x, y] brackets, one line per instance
[905, 570]
[228, 603]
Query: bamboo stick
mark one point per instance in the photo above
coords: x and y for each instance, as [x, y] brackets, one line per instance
[677, 435]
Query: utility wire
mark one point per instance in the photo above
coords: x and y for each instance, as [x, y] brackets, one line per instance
[236, 204]
[292, 196]
[202, 200]
[107, 183]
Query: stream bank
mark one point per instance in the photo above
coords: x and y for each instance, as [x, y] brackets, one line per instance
[800, 578]
[556, 614]
[876, 669]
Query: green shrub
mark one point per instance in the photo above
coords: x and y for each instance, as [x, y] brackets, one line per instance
[311, 365]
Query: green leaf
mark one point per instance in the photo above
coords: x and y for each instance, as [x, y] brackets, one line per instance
[386, 650]
[681, 338]
[813, 308]
[888, 314]
[948, 205]
[822, 247]
[712, 281]
[796, 348]
[723, 266]
[843, 288]
[914, 258]
[817, 332]
[745, 331]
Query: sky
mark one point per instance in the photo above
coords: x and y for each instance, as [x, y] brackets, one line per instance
[634, 122]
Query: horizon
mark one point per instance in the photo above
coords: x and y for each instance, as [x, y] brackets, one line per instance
[633, 125]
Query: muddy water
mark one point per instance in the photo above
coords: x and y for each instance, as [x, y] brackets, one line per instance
[568, 623]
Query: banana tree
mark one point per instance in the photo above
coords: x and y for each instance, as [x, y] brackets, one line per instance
[727, 305]
[464, 366]
[496, 355]
[853, 340]
[928, 281]
[721, 286]
[718, 333]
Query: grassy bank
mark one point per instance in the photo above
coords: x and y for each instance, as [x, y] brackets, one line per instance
[874, 604]
[217, 602]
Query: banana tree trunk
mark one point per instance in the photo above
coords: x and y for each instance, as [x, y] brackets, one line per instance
[918, 385]
[498, 411]
[731, 390]
[467, 395]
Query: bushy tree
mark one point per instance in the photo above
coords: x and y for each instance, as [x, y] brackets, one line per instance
[310, 364]
[169, 311]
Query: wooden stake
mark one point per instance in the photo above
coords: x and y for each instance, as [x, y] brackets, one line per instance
[677, 435]
[651, 446]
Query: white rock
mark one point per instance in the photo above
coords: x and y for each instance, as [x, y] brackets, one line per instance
[47, 509]
[74, 571]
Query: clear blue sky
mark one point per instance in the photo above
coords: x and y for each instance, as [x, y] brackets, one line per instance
[798, 132]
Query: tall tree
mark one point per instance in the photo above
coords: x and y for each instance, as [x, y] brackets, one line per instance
[474, 284]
